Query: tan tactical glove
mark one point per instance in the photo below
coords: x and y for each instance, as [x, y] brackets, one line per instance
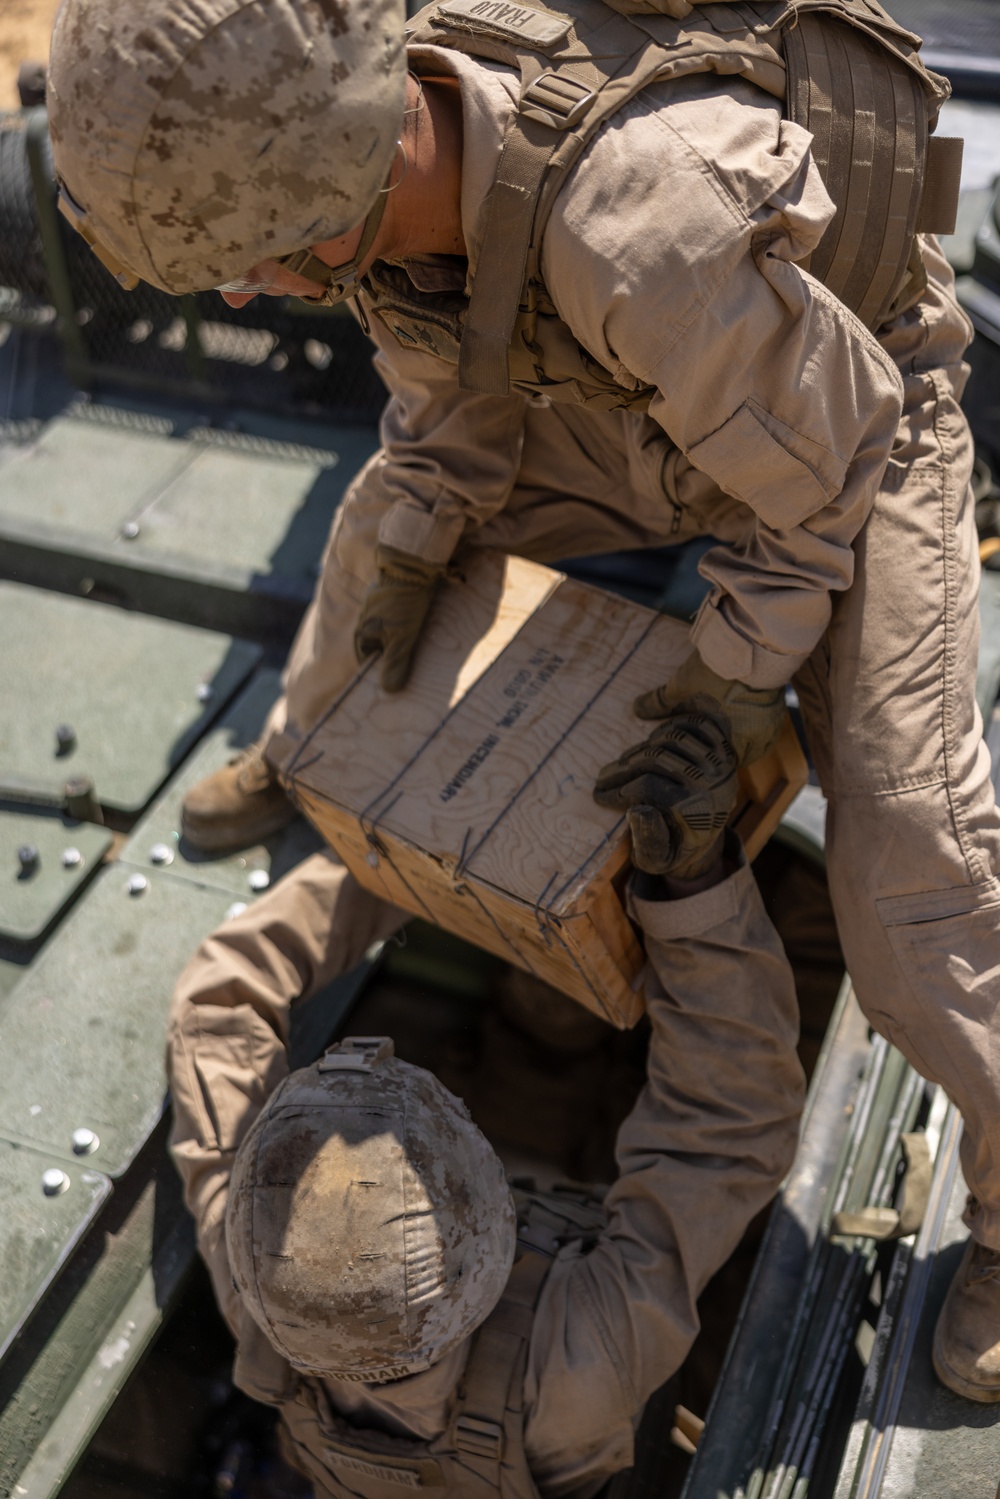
[677, 789]
[754, 714]
[393, 612]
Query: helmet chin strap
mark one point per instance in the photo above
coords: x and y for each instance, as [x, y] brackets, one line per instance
[337, 282]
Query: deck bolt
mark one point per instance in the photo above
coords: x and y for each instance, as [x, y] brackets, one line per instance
[161, 853]
[71, 857]
[84, 1141]
[27, 856]
[258, 880]
[65, 738]
[137, 884]
[54, 1181]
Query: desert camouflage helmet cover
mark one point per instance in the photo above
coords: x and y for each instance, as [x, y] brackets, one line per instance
[369, 1224]
[201, 137]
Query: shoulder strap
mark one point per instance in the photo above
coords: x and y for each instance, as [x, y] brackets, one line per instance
[577, 69]
[494, 1375]
[551, 103]
[854, 80]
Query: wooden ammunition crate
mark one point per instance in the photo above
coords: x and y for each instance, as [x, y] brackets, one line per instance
[467, 798]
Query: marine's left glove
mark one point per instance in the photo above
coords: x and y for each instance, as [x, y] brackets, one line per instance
[394, 610]
[754, 715]
[677, 789]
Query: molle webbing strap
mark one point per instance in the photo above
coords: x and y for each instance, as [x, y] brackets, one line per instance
[550, 104]
[942, 182]
[867, 113]
[494, 1375]
[863, 96]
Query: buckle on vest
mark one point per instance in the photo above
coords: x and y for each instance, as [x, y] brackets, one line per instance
[555, 100]
[479, 1438]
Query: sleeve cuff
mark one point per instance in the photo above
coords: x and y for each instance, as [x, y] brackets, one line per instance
[735, 657]
[421, 533]
[672, 920]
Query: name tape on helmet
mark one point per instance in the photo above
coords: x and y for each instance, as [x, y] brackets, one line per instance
[519, 23]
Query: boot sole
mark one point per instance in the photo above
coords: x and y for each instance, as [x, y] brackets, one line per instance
[981, 1394]
[209, 840]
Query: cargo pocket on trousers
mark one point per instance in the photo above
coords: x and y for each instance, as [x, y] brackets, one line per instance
[947, 943]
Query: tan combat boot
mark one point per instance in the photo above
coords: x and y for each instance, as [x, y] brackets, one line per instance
[967, 1338]
[237, 806]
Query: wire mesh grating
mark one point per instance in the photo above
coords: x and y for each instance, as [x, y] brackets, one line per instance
[272, 355]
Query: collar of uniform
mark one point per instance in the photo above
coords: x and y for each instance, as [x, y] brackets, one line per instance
[490, 91]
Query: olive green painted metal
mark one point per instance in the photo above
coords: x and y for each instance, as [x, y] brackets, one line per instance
[66, 1371]
[86, 1022]
[245, 508]
[156, 840]
[48, 1205]
[218, 528]
[831, 1307]
[910, 1435]
[988, 679]
[63, 1373]
[87, 1018]
[789, 1354]
[34, 891]
[11, 970]
[134, 694]
[90, 478]
[749, 1397]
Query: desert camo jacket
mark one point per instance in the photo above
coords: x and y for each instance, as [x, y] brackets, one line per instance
[670, 256]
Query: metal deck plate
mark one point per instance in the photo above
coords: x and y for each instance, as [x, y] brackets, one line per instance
[942, 1446]
[196, 526]
[33, 895]
[157, 835]
[86, 479]
[988, 676]
[137, 693]
[87, 1021]
[244, 514]
[38, 1232]
[11, 972]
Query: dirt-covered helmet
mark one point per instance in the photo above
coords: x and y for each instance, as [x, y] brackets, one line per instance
[369, 1224]
[194, 139]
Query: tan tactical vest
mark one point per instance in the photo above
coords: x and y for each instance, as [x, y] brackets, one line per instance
[844, 69]
[481, 1455]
